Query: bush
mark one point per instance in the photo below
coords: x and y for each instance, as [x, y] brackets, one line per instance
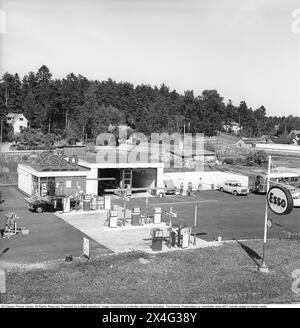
[228, 161]
[259, 157]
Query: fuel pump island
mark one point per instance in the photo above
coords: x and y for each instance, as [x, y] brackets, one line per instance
[175, 236]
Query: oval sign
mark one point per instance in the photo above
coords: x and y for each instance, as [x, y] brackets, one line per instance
[280, 200]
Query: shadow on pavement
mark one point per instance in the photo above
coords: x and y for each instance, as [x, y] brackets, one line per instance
[250, 252]
[4, 251]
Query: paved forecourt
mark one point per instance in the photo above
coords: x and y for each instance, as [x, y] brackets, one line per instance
[120, 239]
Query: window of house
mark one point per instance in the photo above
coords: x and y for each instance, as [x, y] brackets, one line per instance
[21, 118]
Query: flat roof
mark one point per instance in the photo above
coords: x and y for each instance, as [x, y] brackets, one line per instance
[109, 157]
[66, 168]
[37, 170]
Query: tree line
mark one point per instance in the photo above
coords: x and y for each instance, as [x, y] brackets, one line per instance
[76, 107]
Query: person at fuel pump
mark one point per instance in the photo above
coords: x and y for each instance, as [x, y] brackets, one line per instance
[190, 189]
[200, 185]
[2, 223]
[181, 187]
[2, 218]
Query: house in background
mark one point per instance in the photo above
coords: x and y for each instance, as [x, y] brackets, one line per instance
[250, 142]
[231, 127]
[18, 121]
[283, 140]
[295, 136]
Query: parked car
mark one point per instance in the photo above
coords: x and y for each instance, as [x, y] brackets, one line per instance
[234, 187]
[170, 187]
[49, 203]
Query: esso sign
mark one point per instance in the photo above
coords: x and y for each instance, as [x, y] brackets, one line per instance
[280, 200]
[51, 160]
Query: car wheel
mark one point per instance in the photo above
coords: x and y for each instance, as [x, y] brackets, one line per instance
[39, 209]
[235, 193]
[221, 189]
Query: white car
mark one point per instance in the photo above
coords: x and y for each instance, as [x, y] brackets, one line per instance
[234, 187]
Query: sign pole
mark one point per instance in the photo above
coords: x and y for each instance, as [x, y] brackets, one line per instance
[195, 224]
[124, 218]
[263, 267]
[147, 205]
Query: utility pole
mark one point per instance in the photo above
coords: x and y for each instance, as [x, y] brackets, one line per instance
[66, 119]
[1, 129]
[6, 96]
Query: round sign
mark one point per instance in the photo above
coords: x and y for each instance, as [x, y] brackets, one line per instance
[280, 200]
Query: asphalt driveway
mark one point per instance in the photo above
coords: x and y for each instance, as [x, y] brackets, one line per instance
[219, 213]
[50, 237]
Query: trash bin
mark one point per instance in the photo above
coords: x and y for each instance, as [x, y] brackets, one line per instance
[94, 202]
[157, 239]
[86, 205]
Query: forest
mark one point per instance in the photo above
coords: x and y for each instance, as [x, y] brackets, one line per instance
[76, 107]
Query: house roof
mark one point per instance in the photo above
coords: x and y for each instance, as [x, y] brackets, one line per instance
[295, 132]
[11, 114]
[14, 116]
[253, 140]
[281, 140]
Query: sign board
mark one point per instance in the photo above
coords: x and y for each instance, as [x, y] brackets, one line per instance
[172, 214]
[280, 200]
[2, 282]
[86, 247]
[47, 159]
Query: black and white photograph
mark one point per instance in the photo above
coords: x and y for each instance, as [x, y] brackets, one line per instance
[150, 156]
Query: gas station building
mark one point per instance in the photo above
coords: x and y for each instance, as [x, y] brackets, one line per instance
[91, 175]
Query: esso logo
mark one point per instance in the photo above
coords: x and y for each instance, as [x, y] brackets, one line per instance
[52, 160]
[280, 200]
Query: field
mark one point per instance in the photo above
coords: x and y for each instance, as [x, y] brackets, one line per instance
[226, 274]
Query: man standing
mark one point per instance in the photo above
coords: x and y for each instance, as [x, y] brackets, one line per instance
[181, 188]
[2, 218]
[190, 189]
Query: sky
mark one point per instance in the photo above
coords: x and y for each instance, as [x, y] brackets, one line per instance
[246, 49]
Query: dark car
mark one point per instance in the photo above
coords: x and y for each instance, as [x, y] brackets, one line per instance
[49, 203]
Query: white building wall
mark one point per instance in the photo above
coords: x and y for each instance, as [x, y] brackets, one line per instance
[25, 181]
[160, 177]
[207, 178]
[92, 185]
[278, 147]
[18, 125]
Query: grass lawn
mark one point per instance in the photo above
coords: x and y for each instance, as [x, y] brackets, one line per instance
[225, 274]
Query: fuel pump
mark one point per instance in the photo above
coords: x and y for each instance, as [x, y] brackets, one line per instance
[183, 236]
